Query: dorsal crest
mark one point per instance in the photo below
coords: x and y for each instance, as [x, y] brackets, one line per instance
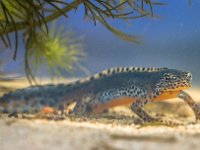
[116, 70]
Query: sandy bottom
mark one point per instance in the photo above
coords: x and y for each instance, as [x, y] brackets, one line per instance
[66, 135]
[114, 130]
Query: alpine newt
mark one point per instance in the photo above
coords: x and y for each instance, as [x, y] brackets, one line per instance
[112, 87]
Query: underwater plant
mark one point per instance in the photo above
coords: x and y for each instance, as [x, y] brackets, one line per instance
[28, 21]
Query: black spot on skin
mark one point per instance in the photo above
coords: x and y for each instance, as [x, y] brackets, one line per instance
[138, 92]
[157, 93]
[107, 99]
[118, 69]
[124, 93]
[143, 69]
[110, 92]
[132, 87]
[106, 94]
[101, 74]
[108, 71]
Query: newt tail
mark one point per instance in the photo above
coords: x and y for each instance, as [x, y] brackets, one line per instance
[112, 87]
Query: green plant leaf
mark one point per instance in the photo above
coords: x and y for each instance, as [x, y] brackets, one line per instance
[57, 51]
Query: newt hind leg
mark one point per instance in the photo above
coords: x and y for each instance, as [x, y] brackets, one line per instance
[81, 109]
[85, 105]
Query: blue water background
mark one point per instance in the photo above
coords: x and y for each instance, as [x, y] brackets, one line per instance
[172, 40]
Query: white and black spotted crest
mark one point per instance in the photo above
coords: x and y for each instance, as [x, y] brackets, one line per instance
[116, 70]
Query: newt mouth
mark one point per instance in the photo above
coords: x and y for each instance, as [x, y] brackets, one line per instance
[178, 88]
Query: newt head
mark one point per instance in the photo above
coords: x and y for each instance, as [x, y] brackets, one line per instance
[169, 82]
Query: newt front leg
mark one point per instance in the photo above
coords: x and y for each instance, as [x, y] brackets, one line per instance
[137, 108]
[188, 99]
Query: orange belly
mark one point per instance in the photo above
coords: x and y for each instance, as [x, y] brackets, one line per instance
[166, 95]
[112, 103]
[128, 101]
